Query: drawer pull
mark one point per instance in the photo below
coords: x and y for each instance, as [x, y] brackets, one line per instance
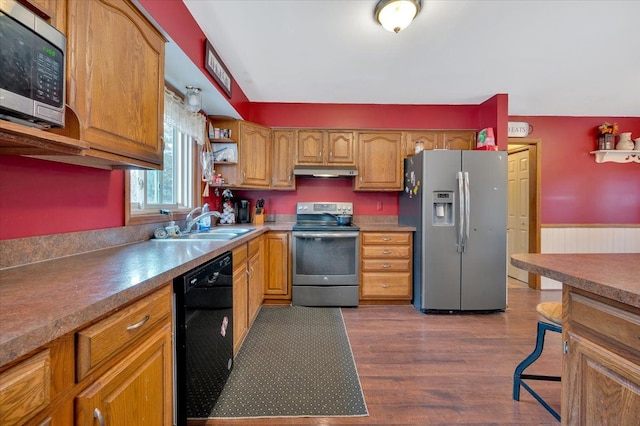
[98, 415]
[386, 239]
[386, 252]
[386, 265]
[385, 285]
[138, 324]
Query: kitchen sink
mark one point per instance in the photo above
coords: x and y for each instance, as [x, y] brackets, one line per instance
[215, 234]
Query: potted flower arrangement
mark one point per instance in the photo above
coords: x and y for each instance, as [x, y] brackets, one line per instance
[607, 135]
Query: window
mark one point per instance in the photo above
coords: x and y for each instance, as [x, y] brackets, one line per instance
[172, 188]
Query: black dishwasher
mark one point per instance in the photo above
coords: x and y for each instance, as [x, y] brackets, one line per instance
[204, 337]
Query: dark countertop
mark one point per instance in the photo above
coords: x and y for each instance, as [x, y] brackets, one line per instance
[614, 276]
[42, 301]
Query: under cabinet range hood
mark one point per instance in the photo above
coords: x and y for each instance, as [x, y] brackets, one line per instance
[325, 171]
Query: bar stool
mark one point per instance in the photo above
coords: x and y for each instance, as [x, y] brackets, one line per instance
[551, 311]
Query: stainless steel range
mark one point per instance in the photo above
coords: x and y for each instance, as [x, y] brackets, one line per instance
[326, 259]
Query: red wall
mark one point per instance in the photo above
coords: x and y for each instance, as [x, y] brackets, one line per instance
[39, 197]
[575, 189]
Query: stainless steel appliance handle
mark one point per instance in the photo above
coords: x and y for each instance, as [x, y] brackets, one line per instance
[325, 234]
[460, 244]
[467, 210]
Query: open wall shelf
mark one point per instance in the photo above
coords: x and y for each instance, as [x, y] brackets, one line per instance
[616, 156]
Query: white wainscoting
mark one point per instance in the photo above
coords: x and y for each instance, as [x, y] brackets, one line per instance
[586, 240]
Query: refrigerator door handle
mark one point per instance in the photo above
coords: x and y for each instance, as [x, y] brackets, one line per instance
[460, 245]
[467, 211]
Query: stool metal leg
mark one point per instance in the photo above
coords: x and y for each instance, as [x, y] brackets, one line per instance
[518, 377]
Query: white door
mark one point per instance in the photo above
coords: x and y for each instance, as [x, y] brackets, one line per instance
[518, 210]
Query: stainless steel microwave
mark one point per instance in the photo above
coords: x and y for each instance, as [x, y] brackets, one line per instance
[32, 68]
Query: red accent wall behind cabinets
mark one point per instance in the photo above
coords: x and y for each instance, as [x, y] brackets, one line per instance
[575, 189]
[40, 197]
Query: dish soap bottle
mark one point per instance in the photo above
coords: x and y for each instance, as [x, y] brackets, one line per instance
[205, 222]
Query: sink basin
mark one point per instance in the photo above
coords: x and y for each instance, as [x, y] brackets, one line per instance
[215, 234]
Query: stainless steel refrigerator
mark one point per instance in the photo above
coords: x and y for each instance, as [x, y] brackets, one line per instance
[457, 200]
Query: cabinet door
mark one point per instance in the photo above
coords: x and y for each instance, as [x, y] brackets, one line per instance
[256, 277]
[379, 161]
[136, 391]
[240, 295]
[340, 148]
[310, 145]
[255, 155]
[598, 386]
[430, 140]
[283, 157]
[277, 283]
[458, 139]
[115, 79]
[52, 11]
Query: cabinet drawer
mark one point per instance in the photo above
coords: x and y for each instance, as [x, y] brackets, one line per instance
[386, 285]
[97, 343]
[25, 389]
[383, 265]
[386, 238]
[385, 252]
[239, 255]
[254, 245]
[609, 321]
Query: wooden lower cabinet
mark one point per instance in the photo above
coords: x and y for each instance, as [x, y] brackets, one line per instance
[601, 366]
[126, 381]
[278, 262]
[386, 266]
[240, 296]
[256, 276]
[136, 391]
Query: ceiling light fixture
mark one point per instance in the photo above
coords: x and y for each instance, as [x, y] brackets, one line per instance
[396, 15]
[193, 99]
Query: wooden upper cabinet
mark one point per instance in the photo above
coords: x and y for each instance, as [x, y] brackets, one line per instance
[340, 148]
[255, 155]
[52, 11]
[379, 161]
[253, 169]
[282, 159]
[115, 82]
[324, 147]
[310, 145]
[459, 139]
[438, 139]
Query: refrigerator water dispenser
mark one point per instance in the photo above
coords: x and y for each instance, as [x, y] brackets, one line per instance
[443, 208]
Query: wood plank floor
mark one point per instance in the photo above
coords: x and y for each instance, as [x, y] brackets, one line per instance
[446, 369]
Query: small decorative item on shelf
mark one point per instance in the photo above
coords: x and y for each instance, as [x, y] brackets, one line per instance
[607, 136]
[637, 141]
[625, 143]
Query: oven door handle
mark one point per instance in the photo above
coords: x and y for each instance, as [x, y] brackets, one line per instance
[326, 234]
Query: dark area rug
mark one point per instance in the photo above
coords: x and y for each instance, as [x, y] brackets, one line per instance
[295, 362]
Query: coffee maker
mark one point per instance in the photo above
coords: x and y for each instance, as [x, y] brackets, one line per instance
[243, 211]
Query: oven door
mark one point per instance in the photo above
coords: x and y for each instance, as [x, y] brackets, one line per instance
[325, 258]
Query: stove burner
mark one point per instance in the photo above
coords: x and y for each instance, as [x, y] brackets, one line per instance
[322, 216]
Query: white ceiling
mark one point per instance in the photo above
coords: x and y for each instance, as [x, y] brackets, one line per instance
[566, 58]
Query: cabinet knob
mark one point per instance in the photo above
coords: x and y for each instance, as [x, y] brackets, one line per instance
[386, 252]
[386, 266]
[385, 285]
[138, 324]
[386, 239]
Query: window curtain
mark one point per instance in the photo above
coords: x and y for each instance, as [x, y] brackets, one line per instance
[176, 115]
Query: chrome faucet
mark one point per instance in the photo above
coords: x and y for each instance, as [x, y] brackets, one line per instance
[192, 213]
[190, 222]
